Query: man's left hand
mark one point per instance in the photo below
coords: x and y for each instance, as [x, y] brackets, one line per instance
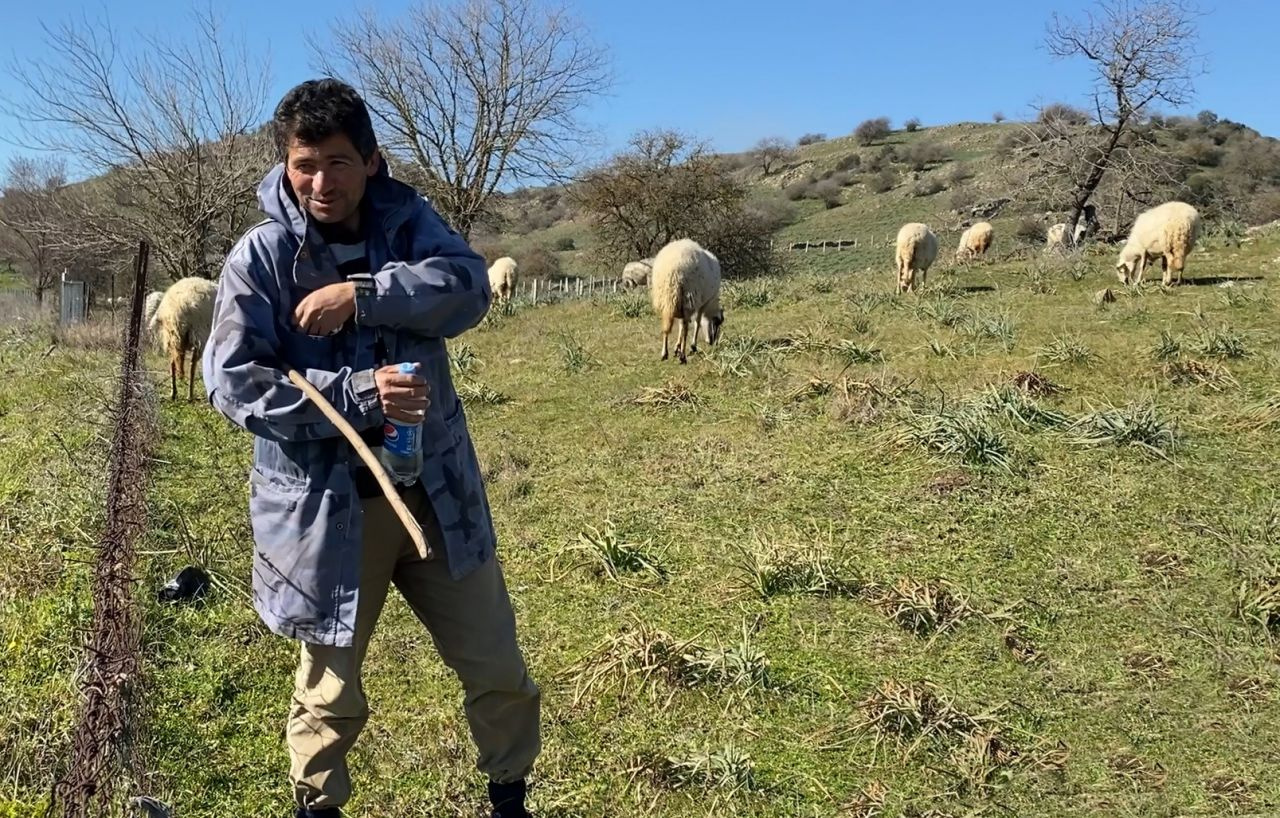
[324, 311]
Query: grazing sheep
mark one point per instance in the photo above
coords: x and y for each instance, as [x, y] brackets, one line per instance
[916, 250]
[685, 287]
[975, 241]
[183, 319]
[1058, 238]
[149, 307]
[503, 275]
[1167, 232]
[636, 273]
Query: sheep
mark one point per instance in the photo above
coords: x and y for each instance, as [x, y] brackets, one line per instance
[1167, 232]
[636, 273]
[1057, 238]
[503, 275]
[975, 241]
[916, 250]
[183, 318]
[685, 287]
[149, 307]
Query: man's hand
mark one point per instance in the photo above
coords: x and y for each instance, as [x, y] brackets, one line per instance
[324, 311]
[404, 397]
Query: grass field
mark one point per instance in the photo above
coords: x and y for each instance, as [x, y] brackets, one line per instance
[994, 549]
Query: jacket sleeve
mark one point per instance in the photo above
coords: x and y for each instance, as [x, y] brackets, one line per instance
[441, 292]
[246, 380]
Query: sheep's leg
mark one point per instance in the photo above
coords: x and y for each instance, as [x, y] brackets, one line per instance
[191, 377]
[682, 344]
[173, 377]
[697, 327]
[1139, 267]
[666, 335]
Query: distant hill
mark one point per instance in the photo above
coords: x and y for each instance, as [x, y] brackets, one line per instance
[946, 176]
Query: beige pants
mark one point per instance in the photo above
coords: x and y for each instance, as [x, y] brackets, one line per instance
[473, 628]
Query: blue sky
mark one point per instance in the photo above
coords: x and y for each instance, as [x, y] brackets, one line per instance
[733, 71]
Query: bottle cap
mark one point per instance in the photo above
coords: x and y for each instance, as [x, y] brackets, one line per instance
[408, 368]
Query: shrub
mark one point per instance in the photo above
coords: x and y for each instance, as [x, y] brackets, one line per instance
[872, 130]
[539, 262]
[849, 162]
[799, 189]
[811, 139]
[827, 192]
[1030, 229]
[928, 187]
[963, 198]
[997, 117]
[883, 181]
[773, 211]
[1062, 114]
[921, 155]
[960, 174]
[565, 243]
[912, 125]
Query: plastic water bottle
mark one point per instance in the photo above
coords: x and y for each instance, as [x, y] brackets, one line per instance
[402, 445]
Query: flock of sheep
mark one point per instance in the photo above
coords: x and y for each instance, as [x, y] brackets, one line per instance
[684, 281]
[1167, 233]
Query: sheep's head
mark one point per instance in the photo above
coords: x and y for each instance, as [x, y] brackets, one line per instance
[1127, 264]
[711, 321]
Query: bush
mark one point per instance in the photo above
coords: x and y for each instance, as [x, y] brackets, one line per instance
[773, 211]
[565, 243]
[960, 174]
[539, 262]
[811, 139]
[843, 178]
[490, 249]
[872, 130]
[827, 192]
[799, 189]
[1030, 229]
[997, 117]
[912, 125]
[882, 182]
[928, 187]
[920, 156]
[849, 162]
[963, 198]
[1062, 114]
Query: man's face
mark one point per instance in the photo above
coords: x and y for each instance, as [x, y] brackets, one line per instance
[329, 178]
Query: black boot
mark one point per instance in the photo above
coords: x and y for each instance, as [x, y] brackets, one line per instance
[508, 799]
[327, 812]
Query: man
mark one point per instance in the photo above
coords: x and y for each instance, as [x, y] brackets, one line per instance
[351, 274]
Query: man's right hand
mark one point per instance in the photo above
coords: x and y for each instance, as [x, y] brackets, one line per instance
[404, 397]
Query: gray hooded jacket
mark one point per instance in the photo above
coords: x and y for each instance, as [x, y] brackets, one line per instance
[307, 519]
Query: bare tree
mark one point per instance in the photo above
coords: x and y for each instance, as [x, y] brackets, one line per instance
[168, 125]
[668, 186]
[475, 94]
[30, 220]
[1142, 53]
[770, 151]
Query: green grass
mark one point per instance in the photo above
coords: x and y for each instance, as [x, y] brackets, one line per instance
[740, 588]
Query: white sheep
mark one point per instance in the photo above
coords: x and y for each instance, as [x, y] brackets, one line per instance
[636, 273]
[1167, 232]
[149, 307]
[975, 241]
[1059, 240]
[915, 251]
[685, 287]
[503, 275]
[183, 319]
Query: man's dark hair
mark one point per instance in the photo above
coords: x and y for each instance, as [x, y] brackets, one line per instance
[316, 110]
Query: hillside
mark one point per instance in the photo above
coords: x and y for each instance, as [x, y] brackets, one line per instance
[890, 575]
[937, 175]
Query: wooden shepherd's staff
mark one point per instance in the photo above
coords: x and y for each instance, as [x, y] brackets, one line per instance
[352, 436]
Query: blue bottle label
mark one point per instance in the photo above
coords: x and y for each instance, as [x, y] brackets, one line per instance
[399, 440]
